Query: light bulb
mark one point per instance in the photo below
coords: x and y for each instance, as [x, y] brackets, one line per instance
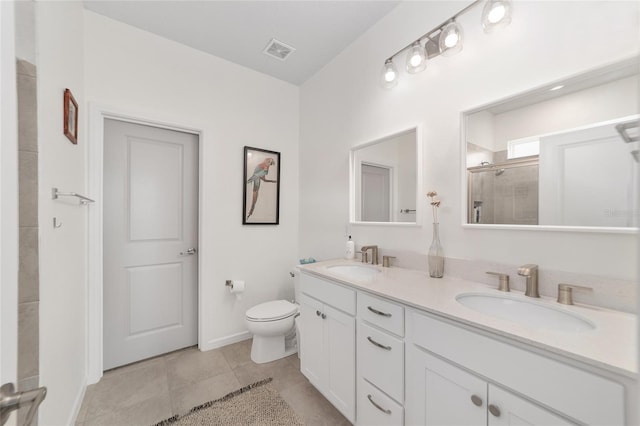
[389, 75]
[496, 14]
[416, 58]
[450, 41]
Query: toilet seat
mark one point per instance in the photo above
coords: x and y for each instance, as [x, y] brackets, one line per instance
[271, 311]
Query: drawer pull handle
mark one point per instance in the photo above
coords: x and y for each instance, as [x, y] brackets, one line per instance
[380, 345]
[493, 409]
[377, 406]
[375, 311]
[477, 401]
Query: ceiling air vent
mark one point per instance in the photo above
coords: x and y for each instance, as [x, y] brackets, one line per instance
[278, 49]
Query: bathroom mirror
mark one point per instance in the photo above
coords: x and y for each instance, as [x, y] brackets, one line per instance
[384, 180]
[563, 156]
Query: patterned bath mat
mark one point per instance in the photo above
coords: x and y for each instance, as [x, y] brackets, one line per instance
[258, 404]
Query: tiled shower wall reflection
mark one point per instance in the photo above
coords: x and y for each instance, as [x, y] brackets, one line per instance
[28, 272]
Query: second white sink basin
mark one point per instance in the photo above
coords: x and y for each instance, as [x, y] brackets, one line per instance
[354, 271]
[530, 313]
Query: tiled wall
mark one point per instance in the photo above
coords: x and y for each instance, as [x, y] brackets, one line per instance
[28, 272]
[508, 195]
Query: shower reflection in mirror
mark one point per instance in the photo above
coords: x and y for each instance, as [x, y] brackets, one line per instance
[567, 157]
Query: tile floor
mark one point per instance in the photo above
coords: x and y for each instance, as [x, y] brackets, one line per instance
[149, 391]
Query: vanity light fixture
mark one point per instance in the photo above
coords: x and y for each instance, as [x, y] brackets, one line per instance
[496, 14]
[450, 40]
[389, 74]
[416, 58]
[446, 39]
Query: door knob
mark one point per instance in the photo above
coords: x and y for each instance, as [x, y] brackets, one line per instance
[190, 251]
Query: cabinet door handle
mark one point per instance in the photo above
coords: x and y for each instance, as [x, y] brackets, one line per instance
[477, 401]
[380, 345]
[375, 311]
[377, 406]
[323, 316]
[493, 409]
[318, 313]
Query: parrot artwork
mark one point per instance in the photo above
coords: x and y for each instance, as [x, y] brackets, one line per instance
[259, 174]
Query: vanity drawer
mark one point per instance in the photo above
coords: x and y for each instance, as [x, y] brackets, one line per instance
[382, 313]
[381, 360]
[375, 408]
[332, 294]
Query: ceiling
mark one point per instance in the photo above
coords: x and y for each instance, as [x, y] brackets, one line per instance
[239, 31]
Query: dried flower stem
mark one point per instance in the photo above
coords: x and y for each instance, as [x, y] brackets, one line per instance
[435, 203]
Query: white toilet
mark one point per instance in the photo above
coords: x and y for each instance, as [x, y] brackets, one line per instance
[272, 324]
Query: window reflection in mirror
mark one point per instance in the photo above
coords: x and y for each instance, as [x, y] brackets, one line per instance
[567, 157]
[384, 180]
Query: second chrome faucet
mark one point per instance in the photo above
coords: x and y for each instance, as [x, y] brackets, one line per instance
[530, 272]
[374, 254]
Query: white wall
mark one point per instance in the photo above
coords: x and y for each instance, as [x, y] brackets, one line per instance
[59, 58]
[133, 70]
[594, 105]
[536, 48]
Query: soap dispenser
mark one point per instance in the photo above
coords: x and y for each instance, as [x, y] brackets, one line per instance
[350, 251]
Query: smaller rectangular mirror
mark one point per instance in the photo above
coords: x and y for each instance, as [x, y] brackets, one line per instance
[384, 180]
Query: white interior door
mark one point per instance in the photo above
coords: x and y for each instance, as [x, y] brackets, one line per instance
[150, 241]
[376, 193]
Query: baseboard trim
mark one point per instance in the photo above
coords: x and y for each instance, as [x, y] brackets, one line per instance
[224, 341]
[77, 405]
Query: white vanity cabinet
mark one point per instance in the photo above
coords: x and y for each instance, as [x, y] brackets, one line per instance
[453, 396]
[459, 376]
[327, 345]
[380, 361]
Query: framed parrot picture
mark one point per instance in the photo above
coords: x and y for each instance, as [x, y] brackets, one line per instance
[261, 187]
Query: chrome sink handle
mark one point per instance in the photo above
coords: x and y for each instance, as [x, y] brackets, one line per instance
[565, 292]
[503, 281]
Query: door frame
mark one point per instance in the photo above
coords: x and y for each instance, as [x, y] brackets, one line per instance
[95, 174]
[9, 200]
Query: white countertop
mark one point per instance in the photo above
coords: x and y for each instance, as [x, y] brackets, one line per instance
[612, 345]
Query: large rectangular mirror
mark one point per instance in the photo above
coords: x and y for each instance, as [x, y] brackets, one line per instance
[384, 180]
[565, 156]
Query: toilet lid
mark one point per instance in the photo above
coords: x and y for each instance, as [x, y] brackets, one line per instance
[271, 311]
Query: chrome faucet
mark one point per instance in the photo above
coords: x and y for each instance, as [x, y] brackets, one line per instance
[530, 271]
[374, 254]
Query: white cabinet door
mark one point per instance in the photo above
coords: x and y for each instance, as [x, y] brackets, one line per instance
[452, 396]
[327, 353]
[312, 359]
[507, 409]
[340, 334]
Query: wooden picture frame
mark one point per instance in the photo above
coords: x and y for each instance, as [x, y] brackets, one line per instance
[70, 117]
[261, 187]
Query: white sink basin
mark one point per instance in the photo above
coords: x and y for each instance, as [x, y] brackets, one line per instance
[354, 271]
[530, 313]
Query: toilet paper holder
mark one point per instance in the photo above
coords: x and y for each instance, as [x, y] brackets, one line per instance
[228, 283]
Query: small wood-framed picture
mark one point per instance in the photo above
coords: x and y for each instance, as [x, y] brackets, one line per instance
[261, 185]
[70, 117]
